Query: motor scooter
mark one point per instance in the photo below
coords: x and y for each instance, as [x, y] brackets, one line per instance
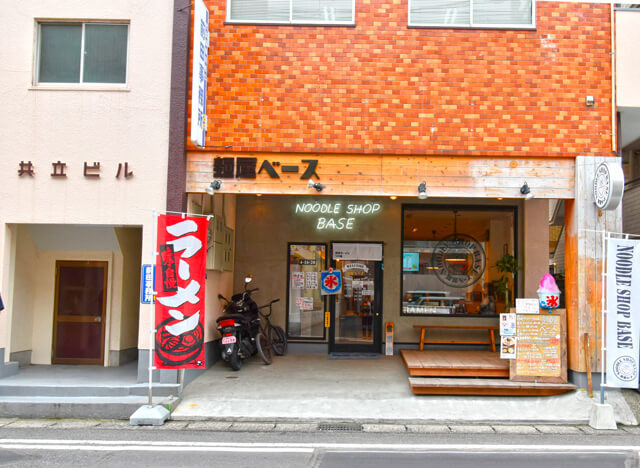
[239, 327]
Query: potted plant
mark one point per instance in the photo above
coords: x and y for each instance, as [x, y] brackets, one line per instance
[507, 266]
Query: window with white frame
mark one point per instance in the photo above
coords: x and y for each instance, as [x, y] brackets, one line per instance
[93, 53]
[291, 11]
[473, 13]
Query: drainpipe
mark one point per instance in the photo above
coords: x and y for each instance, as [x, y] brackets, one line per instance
[614, 119]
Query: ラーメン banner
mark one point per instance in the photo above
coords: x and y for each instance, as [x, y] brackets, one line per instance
[180, 284]
[623, 312]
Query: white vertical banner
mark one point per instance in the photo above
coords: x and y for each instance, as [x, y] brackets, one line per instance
[623, 312]
[199, 73]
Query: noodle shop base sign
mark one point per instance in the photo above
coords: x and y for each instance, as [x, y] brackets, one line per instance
[541, 353]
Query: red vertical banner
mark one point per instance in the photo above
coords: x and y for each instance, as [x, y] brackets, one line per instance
[180, 283]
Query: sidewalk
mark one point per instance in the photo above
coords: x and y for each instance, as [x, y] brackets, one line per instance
[311, 389]
[217, 426]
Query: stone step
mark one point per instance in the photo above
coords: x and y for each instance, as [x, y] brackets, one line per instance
[77, 407]
[17, 390]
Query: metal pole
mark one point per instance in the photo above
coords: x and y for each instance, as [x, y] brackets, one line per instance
[603, 325]
[152, 306]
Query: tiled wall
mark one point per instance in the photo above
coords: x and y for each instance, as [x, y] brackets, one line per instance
[381, 87]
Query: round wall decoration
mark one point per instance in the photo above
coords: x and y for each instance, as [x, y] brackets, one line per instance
[608, 185]
[459, 260]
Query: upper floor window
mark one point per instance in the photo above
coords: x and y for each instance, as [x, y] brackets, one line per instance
[82, 53]
[291, 11]
[473, 13]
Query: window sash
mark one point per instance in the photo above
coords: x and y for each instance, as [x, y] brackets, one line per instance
[291, 11]
[473, 13]
[103, 66]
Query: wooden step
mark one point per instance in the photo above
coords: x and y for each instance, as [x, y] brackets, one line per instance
[452, 363]
[504, 387]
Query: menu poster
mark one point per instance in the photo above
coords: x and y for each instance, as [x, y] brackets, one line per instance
[507, 324]
[311, 280]
[297, 280]
[304, 303]
[527, 306]
[541, 348]
[508, 347]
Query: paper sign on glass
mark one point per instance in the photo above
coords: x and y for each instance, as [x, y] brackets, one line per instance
[297, 280]
[311, 280]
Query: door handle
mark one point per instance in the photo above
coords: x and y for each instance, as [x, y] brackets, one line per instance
[97, 319]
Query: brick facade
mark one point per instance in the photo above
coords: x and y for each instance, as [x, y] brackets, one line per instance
[381, 87]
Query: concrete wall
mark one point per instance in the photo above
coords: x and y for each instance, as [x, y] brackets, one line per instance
[22, 294]
[627, 58]
[265, 225]
[125, 333]
[74, 124]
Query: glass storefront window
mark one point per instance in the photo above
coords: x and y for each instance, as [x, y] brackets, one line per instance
[305, 311]
[449, 258]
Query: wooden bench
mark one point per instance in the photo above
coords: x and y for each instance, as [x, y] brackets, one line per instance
[423, 332]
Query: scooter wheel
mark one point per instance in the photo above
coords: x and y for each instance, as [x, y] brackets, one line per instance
[235, 361]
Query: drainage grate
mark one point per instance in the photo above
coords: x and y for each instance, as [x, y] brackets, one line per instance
[340, 427]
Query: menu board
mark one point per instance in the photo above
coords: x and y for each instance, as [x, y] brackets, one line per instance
[541, 353]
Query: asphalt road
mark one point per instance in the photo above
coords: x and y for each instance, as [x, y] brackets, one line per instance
[158, 447]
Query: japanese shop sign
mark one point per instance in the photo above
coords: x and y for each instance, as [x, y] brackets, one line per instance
[146, 284]
[247, 168]
[336, 216]
[180, 285]
[623, 312]
[199, 73]
[59, 170]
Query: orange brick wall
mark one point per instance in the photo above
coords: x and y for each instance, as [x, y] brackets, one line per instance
[380, 87]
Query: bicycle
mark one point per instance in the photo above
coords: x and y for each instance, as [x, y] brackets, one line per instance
[270, 337]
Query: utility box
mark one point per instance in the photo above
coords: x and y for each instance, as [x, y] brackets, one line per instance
[388, 339]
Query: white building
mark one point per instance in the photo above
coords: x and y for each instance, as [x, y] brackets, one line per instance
[84, 134]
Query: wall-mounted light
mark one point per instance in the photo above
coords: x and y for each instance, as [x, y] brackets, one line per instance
[526, 191]
[422, 190]
[315, 185]
[215, 185]
[589, 101]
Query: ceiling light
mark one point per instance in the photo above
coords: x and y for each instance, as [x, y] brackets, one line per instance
[526, 191]
[422, 190]
[315, 185]
[215, 185]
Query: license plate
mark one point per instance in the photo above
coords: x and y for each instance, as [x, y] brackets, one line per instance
[228, 339]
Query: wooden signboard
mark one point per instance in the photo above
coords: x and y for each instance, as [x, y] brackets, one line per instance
[541, 349]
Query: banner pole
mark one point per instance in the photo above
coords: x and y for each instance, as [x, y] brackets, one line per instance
[603, 326]
[152, 306]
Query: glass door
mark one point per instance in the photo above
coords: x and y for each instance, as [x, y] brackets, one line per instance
[356, 312]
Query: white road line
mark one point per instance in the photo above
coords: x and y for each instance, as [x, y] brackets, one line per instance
[152, 448]
[54, 444]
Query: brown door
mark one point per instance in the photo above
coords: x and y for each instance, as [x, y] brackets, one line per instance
[79, 312]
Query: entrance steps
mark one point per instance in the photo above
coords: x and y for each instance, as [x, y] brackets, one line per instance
[64, 391]
[84, 402]
[452, 372]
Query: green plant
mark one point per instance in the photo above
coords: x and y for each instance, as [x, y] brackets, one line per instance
[507, 266]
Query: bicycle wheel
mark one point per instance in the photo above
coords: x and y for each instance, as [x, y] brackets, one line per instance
[264, 348]
[279, 340]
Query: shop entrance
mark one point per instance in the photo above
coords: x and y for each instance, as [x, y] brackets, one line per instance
[80, 305]
[356, 312]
